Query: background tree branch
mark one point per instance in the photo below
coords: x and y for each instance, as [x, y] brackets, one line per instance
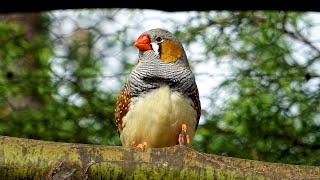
[34, 159]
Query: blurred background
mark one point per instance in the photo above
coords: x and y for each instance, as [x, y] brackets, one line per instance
[258, 74]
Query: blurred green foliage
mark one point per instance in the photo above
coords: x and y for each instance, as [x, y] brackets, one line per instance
[270, 114]
[59, 117]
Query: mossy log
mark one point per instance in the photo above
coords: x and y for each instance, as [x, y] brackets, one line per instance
[34, 159]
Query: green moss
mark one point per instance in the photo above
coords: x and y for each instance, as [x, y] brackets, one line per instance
[105, 170]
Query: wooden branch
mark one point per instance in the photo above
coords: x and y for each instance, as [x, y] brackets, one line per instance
[33, 159]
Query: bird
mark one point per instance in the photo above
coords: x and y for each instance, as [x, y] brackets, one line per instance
[159, 104]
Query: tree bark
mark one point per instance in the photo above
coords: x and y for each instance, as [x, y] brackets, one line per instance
[34, 159]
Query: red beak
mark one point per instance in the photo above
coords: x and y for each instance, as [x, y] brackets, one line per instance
[143, 43]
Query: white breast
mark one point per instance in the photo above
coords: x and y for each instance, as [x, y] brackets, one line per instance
[156, 118]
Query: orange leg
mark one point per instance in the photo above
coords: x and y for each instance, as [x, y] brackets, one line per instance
[133, 144]
[183, 136]
[141, 146]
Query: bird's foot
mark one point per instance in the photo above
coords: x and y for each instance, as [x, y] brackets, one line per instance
[183, 136]
[142, 146]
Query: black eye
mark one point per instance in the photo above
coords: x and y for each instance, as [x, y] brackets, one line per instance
[158, 39]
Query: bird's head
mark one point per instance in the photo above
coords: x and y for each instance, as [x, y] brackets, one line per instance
[161, 43]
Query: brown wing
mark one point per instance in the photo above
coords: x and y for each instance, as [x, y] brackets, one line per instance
[197, 105]
[121, 109]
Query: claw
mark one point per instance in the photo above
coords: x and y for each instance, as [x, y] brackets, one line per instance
[183, 136]
[141, 146]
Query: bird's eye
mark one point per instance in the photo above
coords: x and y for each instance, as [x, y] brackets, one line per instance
[158, 39]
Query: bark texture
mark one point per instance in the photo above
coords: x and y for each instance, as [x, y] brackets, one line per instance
[33, 159]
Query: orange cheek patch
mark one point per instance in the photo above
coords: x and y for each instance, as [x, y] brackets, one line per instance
[170, 51]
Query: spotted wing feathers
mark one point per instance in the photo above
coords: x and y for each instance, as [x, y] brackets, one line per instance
[122, 107]
[197, 105]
